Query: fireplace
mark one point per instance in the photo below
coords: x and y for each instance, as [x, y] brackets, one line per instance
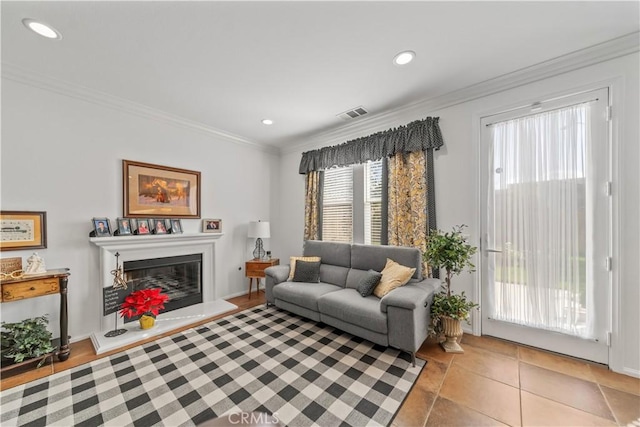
[162, 261]
[179, 277]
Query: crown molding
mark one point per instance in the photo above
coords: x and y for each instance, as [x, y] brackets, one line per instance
[592, 55]
[41, 81]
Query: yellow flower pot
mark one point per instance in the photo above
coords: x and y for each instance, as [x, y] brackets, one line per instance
[147, 322]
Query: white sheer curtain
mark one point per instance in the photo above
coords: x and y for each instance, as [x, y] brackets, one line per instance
[539, 215]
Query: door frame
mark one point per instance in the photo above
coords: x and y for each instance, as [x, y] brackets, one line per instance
[615, 86]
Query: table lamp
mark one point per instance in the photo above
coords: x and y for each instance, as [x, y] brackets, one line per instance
[259, 230]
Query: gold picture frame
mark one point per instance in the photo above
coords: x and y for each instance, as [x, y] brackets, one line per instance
[155, 191]
[22, 230]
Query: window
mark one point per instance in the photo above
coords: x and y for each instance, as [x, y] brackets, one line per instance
[373, 203]
[352, 204]
[337, 205]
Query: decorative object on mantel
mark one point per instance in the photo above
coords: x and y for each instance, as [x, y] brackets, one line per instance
[212, 226]
[159, 226]
[101, 227]
[143, 227]
[451, 252]
[35, 265]
[144, 302]
[259, 230]
[160, 191]
[23, 230]
[123, 227]
[115, 296]
[176, 226]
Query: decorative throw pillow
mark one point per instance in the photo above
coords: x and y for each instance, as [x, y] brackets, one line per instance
[292, 263]
[307, 271]
[368, 283]
[394, 275]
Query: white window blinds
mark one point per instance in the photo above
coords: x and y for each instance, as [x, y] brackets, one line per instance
[373, 202]
[337, 205]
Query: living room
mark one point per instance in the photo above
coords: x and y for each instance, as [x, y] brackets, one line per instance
[73, 109]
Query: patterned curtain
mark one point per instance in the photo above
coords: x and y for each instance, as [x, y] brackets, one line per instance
[312, 204]
[408, 214]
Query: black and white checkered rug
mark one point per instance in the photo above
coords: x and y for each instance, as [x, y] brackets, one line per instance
[261, 359]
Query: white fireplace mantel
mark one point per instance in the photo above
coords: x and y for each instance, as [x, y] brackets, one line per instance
[133, 248]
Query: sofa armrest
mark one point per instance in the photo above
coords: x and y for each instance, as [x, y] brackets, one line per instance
[411, 296]
[273, 276]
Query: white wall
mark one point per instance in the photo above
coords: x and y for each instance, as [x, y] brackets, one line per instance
[456, 173]
[64, 156]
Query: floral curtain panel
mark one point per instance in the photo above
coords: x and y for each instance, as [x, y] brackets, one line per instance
[407, 213]
[312, 205]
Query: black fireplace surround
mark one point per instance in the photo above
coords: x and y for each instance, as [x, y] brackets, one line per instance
[179, 277]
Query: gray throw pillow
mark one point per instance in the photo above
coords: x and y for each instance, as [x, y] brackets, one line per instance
[368, 283]
[307, 271]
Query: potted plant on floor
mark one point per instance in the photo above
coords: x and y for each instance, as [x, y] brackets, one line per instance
[25, 340]
[451, 252]
[144, 302]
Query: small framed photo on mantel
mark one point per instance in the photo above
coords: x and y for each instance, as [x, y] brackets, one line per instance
[101, 227]
[212, 226]
[159, 226]
[176, 226]
[143, 227]
[124, 226]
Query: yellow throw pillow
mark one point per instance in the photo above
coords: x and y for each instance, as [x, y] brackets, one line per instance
[293, 259]
[394, 275]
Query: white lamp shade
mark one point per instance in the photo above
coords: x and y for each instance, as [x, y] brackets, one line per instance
[259, 229]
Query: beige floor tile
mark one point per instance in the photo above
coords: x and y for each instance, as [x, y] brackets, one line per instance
[448, 413]
[565, 389]
[625, 406]
[538, 411]
[555, 362]
[415, 409]
[490, 397]
[496, 345]
[612, 379]
[433, 375]
[430, 349]
[489, 364]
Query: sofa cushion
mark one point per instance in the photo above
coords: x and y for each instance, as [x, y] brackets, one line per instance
[333, 253]
[394, 275]
[368, 283]
[333, 274]
[365, 257]
[294, 259]
[303, 294]
[307, 271]
[350, 307]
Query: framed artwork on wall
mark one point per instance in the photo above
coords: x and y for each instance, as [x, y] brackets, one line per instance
[23, 230]
[159, 191]
[212, 226]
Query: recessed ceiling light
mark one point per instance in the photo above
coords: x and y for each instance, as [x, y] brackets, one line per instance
[403, 58]
[42, 29]
[267, 122]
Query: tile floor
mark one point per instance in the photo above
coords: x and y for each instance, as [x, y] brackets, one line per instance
[499, 383]
[494, 382]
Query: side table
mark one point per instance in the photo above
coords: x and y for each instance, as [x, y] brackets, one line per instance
[254, 269]
[37, 285]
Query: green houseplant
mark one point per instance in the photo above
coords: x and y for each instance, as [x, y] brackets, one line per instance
[25, 340]
[451, 252]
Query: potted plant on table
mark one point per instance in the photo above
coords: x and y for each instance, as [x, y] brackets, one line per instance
[144, 302]
[25, 340]
[451, 252]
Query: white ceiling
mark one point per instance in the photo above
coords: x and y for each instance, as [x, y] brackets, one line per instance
[227, 65]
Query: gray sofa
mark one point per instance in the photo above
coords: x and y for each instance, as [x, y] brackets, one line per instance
[399, 319]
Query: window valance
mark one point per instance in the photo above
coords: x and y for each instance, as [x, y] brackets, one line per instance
[419, 135]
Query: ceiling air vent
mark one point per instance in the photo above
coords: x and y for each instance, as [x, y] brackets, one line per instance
[353, 113]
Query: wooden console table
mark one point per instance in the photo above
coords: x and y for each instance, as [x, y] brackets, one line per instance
[37, 285]
[254, 269]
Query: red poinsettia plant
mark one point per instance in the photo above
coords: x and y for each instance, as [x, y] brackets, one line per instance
[143, 301]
